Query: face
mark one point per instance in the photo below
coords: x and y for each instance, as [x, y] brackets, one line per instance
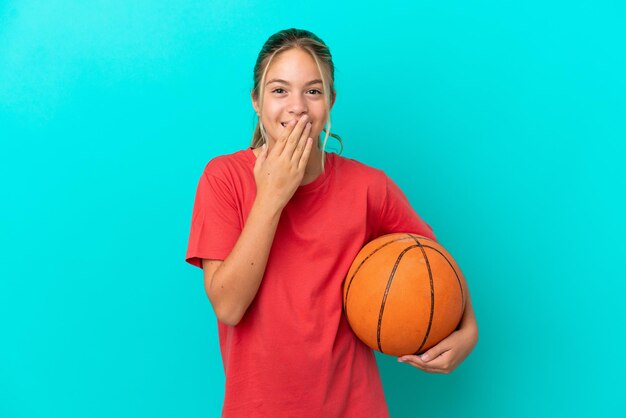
[293, 87]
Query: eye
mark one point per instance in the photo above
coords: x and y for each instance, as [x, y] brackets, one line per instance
[279, 90]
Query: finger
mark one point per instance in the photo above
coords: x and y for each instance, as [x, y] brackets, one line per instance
[420, 366]
[413, 358]
[433, 361]
[441, 364]
[289, 129]
[415, 362]
[282, 141]
[304, 158]
[300, 143]
[301, 148]
[435, 351]
[297, 153]
[301, 127]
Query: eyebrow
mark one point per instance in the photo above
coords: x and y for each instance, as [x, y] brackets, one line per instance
[278, 80]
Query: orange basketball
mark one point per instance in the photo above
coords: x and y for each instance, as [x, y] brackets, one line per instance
[403, 294]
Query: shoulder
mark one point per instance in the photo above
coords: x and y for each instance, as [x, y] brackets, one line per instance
[357, 171]
[355, 166]
[228, 165]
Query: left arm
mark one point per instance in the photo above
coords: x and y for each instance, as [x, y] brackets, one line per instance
[452, 350]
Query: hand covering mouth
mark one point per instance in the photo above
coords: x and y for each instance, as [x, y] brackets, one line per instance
[285, 123]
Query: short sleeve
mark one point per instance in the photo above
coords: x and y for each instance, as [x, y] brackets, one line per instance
[215, 225]
[397, 215]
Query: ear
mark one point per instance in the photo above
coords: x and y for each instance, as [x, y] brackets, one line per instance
[332, 102]
[255, 104]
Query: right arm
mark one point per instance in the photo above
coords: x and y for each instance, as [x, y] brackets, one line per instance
[231, 285]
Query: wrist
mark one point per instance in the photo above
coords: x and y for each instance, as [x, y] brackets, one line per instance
[266, 208]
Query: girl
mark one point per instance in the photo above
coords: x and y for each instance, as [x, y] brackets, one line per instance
[275, 228]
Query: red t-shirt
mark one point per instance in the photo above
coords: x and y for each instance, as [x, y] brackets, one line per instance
[293, 353]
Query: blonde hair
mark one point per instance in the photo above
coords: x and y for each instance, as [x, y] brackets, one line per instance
[314, 46]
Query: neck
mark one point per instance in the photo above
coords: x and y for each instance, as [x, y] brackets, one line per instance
[314, 166]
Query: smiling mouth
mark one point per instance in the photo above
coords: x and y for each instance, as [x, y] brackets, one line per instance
[284, 124]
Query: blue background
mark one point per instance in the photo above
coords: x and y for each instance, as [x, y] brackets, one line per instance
[504, 123]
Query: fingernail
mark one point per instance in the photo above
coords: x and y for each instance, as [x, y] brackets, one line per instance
[424, 357]
[401, 360]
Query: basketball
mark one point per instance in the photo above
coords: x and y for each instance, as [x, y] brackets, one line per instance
[403, 294]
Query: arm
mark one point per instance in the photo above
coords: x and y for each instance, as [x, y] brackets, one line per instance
[468, 322]
[231, 285]
[452, 350]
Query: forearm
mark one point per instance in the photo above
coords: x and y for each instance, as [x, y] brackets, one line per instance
[468, 322]
[237, 281]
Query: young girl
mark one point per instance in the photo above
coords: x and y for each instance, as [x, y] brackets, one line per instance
[275, 228]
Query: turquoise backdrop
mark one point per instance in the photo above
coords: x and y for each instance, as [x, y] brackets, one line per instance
[503, 121]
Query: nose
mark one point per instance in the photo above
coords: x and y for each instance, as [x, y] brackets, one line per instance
[297, 105]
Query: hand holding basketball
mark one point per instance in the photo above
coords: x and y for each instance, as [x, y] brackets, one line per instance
[404, 293]
[449, 353]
